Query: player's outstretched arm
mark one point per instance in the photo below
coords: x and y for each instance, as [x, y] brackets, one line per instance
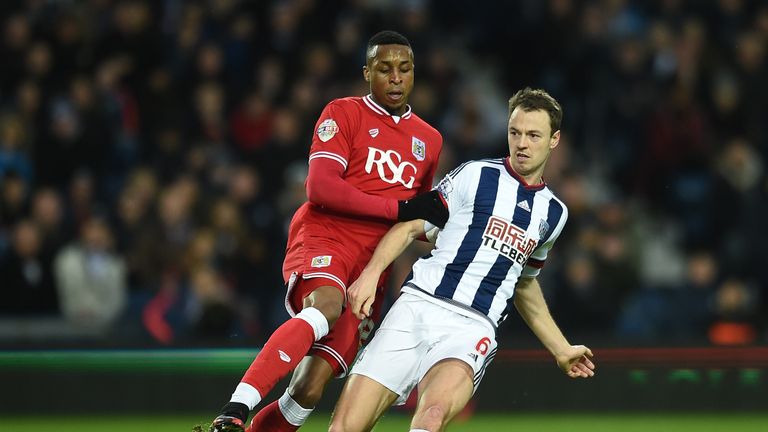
[327, 187]
[574, 360]
[362, 292]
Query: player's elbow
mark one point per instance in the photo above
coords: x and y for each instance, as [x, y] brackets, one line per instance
[411, 230]
[315, 194]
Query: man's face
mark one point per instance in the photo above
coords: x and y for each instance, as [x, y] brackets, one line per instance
[530, 142]
[390, 75]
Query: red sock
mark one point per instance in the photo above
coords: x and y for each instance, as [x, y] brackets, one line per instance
[280, 355]
[271, 419]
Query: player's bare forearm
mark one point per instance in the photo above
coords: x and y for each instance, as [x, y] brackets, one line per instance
[362, 292]
[394, 242]
[574, 360]
[530, 303]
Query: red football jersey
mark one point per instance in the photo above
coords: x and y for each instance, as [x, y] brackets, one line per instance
[385, 155]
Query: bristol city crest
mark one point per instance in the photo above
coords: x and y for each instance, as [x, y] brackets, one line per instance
[418, 148]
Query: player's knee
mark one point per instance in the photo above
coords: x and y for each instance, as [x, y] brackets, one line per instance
[331, 311]
[435, 413]
[432, 418]
[328, 300]
[332, 315]
[307, 393]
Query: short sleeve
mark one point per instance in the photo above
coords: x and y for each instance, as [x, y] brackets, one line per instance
[450, 188]
[333, 134]
[557, 216]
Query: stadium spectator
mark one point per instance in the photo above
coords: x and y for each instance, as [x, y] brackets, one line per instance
[13, 199]
[47, 213]
[91, 278]
[13, 149]
[28, 287]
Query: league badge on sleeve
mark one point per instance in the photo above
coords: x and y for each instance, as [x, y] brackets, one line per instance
[543, 228]
[327, 129]
[418, 148]
[321, 261]
[445, 187]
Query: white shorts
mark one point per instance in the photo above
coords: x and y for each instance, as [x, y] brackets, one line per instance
[415, 335]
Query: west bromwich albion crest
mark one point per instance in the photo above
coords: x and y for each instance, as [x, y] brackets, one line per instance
[418, 148]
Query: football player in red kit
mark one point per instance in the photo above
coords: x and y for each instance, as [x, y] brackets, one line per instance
[371, 164]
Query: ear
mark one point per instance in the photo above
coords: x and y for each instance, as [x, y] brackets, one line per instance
[555, 140]
[366, 74]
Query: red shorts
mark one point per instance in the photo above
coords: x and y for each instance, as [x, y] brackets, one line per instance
[323, 262]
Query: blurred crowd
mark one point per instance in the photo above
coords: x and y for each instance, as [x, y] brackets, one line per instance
[152, 154]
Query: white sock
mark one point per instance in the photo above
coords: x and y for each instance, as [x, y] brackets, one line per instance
[294, 413]
[246, 394]
[418, 430]
[316, 319]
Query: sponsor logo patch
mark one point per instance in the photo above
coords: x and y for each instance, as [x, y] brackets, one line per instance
[321, 261]
[373, 132]
[284, 357]
[327, 129]
[391, 167]
[524, 205]
[508, 240]
[418, 148]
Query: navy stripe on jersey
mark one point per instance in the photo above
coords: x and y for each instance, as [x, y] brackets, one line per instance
[554, 214]
[485, 199]
[498, 272]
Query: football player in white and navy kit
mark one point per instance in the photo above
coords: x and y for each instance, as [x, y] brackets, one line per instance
[440, 333]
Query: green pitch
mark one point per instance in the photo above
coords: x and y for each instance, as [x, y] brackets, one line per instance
[541, 422]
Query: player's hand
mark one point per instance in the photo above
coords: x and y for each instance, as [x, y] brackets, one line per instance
[362, 293]
[576, 361]
[428, 206]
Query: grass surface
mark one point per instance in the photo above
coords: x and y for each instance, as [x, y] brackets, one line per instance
[542, 422]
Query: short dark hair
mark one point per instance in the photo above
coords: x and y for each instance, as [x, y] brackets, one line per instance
[387, 37]
[531, 100]
[384, 37]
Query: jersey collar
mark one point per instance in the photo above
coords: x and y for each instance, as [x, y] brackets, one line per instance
[513, 173]
[378, 109]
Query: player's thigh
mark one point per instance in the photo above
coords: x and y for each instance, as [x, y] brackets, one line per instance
[360, 405]
[328, 299]
[309, 380]
[317, 262]
[448, 385]
[393, 357]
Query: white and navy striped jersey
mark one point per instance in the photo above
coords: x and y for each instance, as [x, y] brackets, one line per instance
[499, 229]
